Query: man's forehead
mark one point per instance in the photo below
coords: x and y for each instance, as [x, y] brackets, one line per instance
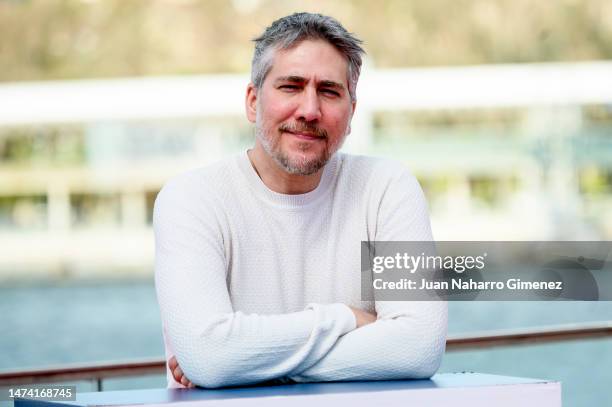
[309, 59]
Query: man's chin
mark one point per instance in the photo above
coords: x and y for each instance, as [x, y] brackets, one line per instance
[301, 164]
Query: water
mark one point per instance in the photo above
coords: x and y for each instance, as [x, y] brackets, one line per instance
[69, 323]
[583, 367]
[81, 322]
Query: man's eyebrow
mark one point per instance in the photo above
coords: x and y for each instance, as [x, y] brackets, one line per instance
[331, 84]
[291, 78]
[300, 79]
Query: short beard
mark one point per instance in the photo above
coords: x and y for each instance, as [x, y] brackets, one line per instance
[300, 166]
[304, 167]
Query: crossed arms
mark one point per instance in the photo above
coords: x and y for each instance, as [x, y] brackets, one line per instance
[216, 346]
[361, 318]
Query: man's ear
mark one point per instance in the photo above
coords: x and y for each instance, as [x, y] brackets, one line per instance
[250, 103]
[353, 106]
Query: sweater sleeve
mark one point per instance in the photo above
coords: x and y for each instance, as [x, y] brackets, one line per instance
[214, 345]
[408, 339]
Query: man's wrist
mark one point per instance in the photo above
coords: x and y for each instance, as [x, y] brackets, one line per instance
[362, 317]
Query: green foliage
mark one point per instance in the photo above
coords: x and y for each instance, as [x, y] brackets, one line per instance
[56, 39]
[42, 145]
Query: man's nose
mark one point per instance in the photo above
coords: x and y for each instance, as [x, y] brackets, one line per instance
[309, 108]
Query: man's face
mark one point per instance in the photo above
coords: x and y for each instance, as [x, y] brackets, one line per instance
[303, 109]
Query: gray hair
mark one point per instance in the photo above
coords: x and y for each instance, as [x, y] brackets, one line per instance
[289, 31]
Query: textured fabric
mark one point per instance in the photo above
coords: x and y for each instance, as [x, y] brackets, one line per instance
[254, 285]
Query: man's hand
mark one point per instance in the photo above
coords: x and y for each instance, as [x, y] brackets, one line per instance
[178, 374]
[363, 317]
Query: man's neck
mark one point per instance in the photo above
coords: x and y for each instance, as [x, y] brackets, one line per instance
[279, 180]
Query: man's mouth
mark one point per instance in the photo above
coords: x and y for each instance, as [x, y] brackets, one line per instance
[302, 135]
[304, 132]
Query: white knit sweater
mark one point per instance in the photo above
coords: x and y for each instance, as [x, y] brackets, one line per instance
[254, 285]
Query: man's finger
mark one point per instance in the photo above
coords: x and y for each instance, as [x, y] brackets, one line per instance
[178, 374]
[172, 363]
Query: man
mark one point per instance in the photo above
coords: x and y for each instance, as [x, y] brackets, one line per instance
[258, 256]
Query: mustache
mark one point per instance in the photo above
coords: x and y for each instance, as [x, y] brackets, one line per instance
[301, 127]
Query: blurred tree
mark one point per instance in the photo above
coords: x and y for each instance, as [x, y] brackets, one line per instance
[55, 39]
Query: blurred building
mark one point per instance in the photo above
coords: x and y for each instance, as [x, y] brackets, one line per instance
[515, 152]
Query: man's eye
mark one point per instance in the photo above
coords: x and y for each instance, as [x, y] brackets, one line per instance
[288, 87]
[330, 92]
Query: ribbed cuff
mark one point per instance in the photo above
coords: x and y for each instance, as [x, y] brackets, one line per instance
[343, 314]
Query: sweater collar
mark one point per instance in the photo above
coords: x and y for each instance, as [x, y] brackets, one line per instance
[286, 200]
